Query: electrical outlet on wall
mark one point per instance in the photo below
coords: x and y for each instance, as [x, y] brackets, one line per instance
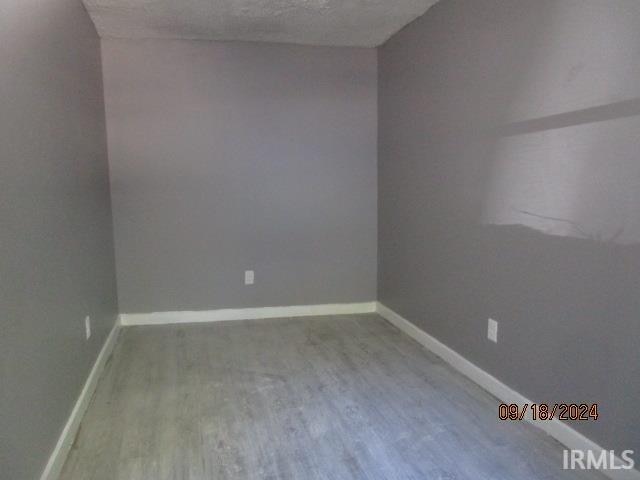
[492, 330]
[249, 277]
[87, 326]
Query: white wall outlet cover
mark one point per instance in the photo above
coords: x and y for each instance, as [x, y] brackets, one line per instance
[87, 326]
[249, 277]
[492, 330]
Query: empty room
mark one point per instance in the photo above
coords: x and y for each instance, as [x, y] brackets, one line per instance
[319, 239]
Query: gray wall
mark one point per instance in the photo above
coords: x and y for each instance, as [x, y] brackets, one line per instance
[509, 187]
[226, 157]
[56, 247]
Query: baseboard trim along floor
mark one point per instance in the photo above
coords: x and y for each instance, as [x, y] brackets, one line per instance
[555, 428]
[65, 442]
[165, 318]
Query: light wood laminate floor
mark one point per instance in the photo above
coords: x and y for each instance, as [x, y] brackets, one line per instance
[342, 397]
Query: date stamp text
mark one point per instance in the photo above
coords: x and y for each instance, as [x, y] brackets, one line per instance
[547, 411]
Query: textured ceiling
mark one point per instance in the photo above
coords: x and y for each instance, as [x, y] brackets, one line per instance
[364, 23]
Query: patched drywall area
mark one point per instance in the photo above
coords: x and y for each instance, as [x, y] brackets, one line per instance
[362, 23]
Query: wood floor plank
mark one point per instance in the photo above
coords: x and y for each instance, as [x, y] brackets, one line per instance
[321, 398]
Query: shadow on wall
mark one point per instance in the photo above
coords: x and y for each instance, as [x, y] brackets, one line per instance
[581, 182]
[574, 170]
[518, 164]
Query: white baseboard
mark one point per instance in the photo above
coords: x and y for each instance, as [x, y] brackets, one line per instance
[557, 429]
[162, 318]
[65, 442]
[561, 431]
